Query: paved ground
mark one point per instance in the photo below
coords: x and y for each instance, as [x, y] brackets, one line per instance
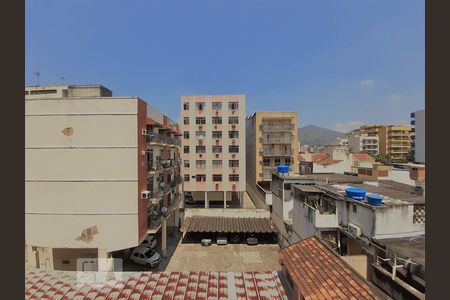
[231, 258]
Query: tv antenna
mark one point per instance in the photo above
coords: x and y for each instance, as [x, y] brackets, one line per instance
[37, 75]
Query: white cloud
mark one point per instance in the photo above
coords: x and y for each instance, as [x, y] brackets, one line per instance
[367, 83]
[348, 126]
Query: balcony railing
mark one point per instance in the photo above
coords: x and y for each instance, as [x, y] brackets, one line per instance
[277, 152]
[158, 165]
[163, 139]
[276, 127]
[286, 140]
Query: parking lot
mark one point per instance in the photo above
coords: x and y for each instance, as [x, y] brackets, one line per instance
[230, 257]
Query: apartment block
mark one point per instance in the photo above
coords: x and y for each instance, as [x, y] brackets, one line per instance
[95, 167]
[272, 140]
[418, 135]
[394, 140]
[214, 150]
[359, 142]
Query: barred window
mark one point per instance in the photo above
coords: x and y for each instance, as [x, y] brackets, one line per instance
[186, 163]
[200, 164]
[186, 105]
[200, 120]
[217, 164]
[217, 105]
[186, 177]
[233, 134]
[233, 163]
[234, 177]
[233, 149]
[217, 120]
[200, 105]
[233, 120]
[233, 105]
[186, 134]
[186, 149]
[186, 120]
[200, 177]
[217, 177]
[200, 149]
[217, 134]
[217, 149]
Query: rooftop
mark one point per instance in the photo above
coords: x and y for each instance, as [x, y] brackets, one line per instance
[227, 224]
[320, 274]
[40, 284]
[336, 178]
[412, 247]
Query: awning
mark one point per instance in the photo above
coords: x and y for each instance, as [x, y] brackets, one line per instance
[224, 224]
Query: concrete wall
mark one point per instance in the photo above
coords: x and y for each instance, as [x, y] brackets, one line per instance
[81, 160]
[302, 226]
[227, 212]
[339, 167]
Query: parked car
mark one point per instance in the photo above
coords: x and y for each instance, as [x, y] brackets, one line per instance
[252, 239]
[206, 242]
[222, 239]
[235, 239]
[149, 241]
[146, 256]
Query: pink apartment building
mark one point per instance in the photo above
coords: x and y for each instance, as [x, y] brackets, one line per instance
[213, 150]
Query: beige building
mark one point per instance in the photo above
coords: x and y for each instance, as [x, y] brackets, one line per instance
[214, 149]
[271, 140]
[359, 142]
[394, 140]
[92, 162]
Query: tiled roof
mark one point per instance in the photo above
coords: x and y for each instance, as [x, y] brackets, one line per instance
[363, 156]
[224, 224]
[300, 157]
[40, 284]
[320, 274]
[319, 156]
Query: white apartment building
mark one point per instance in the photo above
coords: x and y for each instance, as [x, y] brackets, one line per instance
[363, 142]
[214, 150]
[418, 135]
[88, 176]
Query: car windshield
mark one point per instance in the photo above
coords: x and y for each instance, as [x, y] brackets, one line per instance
[149, 253]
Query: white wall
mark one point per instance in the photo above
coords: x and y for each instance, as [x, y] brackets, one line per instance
[81, 179]
[339, 167]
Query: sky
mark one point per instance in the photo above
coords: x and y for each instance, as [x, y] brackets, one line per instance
[339, 64]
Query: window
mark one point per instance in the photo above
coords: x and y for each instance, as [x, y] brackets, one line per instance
[233, 134]
[266, 162]
[233, 149]
[234, 177]
[200, 120]
[217, 149]
[200, 149]
[186, 149]
[233, 105]
[217, 105]
[200, 134]
[200, 105]
[217, 120]
[200, 177]
[277, 161]
[355, 208]
[217, 177]
[186, 105]
[186, 134]
[186, 177]
[200, 164]
[217, 134]
[233, 120]
[186, 163]
[217, 164]
[66, 262]
[186, 120]
[233, 163]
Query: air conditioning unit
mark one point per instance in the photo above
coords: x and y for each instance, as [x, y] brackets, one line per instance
[354, 230]
[146, 194]
[144, 132]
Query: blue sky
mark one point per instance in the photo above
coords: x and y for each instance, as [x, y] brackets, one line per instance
[338, 63]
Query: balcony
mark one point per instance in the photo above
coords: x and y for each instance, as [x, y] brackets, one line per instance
[277, 126]
[276, 140]
[163, 164]
[156, 138]
[155, 195]
[277, 152]
[156, 215]
[326, 220]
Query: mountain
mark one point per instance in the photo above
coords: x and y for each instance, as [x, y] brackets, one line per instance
[317, 136]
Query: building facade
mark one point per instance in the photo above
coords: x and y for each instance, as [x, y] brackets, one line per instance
[418, 135]
[87, 184]
[363, 142]
[272, 140]
[214, 150]
[394, 140]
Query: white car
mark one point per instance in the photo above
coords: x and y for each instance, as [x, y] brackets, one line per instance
[149, 241]
[222, 239]
[143, 255]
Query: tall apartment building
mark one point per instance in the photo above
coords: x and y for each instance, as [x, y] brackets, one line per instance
[418, 135]
[272, 140]
[214, 149]
[99, 170]
[359, 142]
[394, 140]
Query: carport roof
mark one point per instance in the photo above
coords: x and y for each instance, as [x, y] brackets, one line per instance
[224, 224]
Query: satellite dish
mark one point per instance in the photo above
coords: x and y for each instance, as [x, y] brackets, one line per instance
[163, 209]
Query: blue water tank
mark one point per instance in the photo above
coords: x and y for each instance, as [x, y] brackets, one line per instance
[283, 169]
[375, 200]
[356, 194]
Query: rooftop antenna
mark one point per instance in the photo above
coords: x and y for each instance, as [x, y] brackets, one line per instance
[63, 79]
[37, 75]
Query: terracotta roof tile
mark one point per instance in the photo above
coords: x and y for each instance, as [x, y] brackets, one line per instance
[320, 274]
[363, 156]
[225, 224]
